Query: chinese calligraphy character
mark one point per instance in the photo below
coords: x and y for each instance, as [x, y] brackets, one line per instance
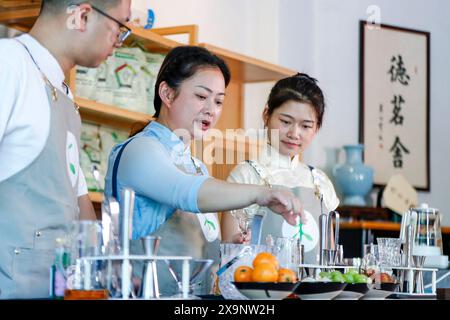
[397, 102]
[398, 71]
[380, 126]
[398, 149]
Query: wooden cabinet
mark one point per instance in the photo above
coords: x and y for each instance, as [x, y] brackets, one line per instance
[19, 14]
[16, 4]
[244, 69]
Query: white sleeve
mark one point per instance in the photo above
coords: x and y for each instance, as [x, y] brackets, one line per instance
[244, 173]
[146, 167]
[82, 186]
[9, 81]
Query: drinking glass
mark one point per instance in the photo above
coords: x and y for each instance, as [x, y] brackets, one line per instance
[288, 252]
[85, 239]
[389, 251]
[232, 256]
[371, 257]
[244, 218]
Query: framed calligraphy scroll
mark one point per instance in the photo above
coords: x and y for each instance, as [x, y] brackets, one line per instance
[395, 103]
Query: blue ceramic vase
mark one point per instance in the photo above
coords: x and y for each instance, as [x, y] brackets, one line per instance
[353, 178]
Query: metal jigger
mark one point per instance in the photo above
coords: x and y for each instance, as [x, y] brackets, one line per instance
[127, 208]
[150, 287]
[418, 278]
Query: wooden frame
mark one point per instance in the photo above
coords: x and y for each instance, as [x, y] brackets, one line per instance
[395, 103]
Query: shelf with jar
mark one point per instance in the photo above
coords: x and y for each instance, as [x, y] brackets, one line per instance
[244, 69]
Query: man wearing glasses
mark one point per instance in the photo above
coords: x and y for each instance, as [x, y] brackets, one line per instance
[42, 188]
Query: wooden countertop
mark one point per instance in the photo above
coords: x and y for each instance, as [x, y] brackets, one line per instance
[378, 225]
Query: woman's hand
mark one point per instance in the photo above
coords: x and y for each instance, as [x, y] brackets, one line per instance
[242, 238]
[284, 203]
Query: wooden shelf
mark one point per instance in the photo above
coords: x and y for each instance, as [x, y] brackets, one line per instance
[23, 19]
[110, 115]
[243, 68]
[19, 3]
[151, 40]
[190, 30]
[247, 69]
[19, 14]
[371, 225]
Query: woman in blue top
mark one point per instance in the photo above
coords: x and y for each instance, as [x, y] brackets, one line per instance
[172, 187]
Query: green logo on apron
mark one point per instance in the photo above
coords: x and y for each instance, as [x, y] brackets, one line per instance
[210, 224]
[301, 233]
[71, 165]
[72, 168]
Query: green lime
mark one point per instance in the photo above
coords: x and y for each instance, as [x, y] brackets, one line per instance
[337, 278]
[352, 271]
[360, 278]
[349, 278]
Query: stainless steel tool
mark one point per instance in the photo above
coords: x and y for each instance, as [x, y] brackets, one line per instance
[150, 286]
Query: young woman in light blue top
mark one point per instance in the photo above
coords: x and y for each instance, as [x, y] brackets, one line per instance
[171, 186]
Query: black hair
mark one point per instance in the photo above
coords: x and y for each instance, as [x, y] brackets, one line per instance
[58, 6]
[183, 62]
[180, 64]
[301, 88]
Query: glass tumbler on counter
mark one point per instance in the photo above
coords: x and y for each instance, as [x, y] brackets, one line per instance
[371, 258]
[232, 256]
[289, 252]
[85, 278]
[389, 252]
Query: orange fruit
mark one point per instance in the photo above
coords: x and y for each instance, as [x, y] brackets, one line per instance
[243, 274]
[265, 272]
[286, 275]
[265, 257]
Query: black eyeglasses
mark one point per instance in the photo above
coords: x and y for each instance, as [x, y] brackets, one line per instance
[124, 30]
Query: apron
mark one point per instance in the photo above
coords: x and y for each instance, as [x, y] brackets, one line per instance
[183, 234]
[38, 204]
[274, 224]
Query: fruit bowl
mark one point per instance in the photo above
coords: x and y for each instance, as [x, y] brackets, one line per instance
[354, 291]
[319, 290]
[380, 291]
[266, 290]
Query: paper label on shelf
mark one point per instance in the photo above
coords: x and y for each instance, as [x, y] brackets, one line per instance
[399, 195]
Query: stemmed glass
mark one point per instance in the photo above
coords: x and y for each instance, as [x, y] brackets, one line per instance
[244, 218]
[371, 258]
